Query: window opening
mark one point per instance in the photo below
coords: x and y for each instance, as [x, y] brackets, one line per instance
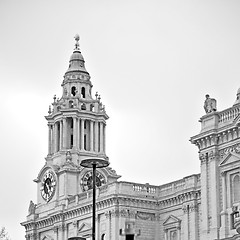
[92, 107]
[83, 92]
[71, 141]
[85, 142]
[83, 106]
[73, 91]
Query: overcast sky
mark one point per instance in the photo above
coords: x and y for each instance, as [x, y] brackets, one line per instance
[151, 61]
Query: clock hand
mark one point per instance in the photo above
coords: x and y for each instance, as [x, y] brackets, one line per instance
[48, 188]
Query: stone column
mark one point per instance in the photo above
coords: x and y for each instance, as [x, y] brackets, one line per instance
[96, 137]
[64, 137]
[61, 136]
[82, 134]
[49, 139]
[55, 137]
[91, 135]
[77, 133]
[74, 133]
[104, 138]
[101, 137]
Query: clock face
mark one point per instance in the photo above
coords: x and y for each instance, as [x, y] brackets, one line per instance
[87, 180]
[48, 185]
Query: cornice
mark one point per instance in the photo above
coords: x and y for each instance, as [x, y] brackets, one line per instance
[216, 138]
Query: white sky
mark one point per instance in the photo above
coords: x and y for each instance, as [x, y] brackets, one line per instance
[151, 61]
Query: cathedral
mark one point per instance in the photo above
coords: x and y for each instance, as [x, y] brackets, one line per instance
[202, 206]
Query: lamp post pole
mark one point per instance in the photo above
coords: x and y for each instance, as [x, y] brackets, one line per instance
[94, 202]
[94, 163]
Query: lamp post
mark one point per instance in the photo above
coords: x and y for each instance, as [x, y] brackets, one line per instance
[94, 163]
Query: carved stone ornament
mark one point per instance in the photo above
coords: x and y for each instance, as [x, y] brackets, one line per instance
[235, 148]
[108, 214]
[203, 158]
[115, 213]
[185, 208]
[145, 216]
[213, 155]
[193, 207]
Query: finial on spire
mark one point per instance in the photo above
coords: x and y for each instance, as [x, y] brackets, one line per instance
[77, 38]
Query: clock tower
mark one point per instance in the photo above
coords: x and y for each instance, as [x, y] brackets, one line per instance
[76, 126]
[76, 131]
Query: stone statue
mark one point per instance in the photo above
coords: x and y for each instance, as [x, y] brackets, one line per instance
[31, 208]
[210, 104]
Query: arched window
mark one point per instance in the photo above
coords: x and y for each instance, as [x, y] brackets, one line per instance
[103, 236]
[83, 92]
[236, 188]
[73, 91]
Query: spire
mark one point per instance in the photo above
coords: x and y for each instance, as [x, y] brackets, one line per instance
[77, 38]
[76, 63]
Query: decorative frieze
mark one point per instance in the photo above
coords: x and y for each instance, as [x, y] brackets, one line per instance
[146, 216]
[235, 148]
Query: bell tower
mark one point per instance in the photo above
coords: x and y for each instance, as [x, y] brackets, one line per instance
[76, 121]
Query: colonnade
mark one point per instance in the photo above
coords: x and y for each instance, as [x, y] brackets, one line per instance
[76, 133]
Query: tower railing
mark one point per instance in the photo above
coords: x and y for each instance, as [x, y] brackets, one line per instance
[229, 114]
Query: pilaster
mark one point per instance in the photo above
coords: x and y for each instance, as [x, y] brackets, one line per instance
[204, 196]
[214, 193]
[193, 220]
[185, 224]
[115, 224]
[224, 214]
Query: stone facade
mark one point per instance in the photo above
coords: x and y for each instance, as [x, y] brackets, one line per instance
[198, 207]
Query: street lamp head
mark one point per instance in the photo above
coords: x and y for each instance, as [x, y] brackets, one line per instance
[97, 162]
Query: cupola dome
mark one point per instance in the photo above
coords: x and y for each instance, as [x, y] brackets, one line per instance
[77, 63]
